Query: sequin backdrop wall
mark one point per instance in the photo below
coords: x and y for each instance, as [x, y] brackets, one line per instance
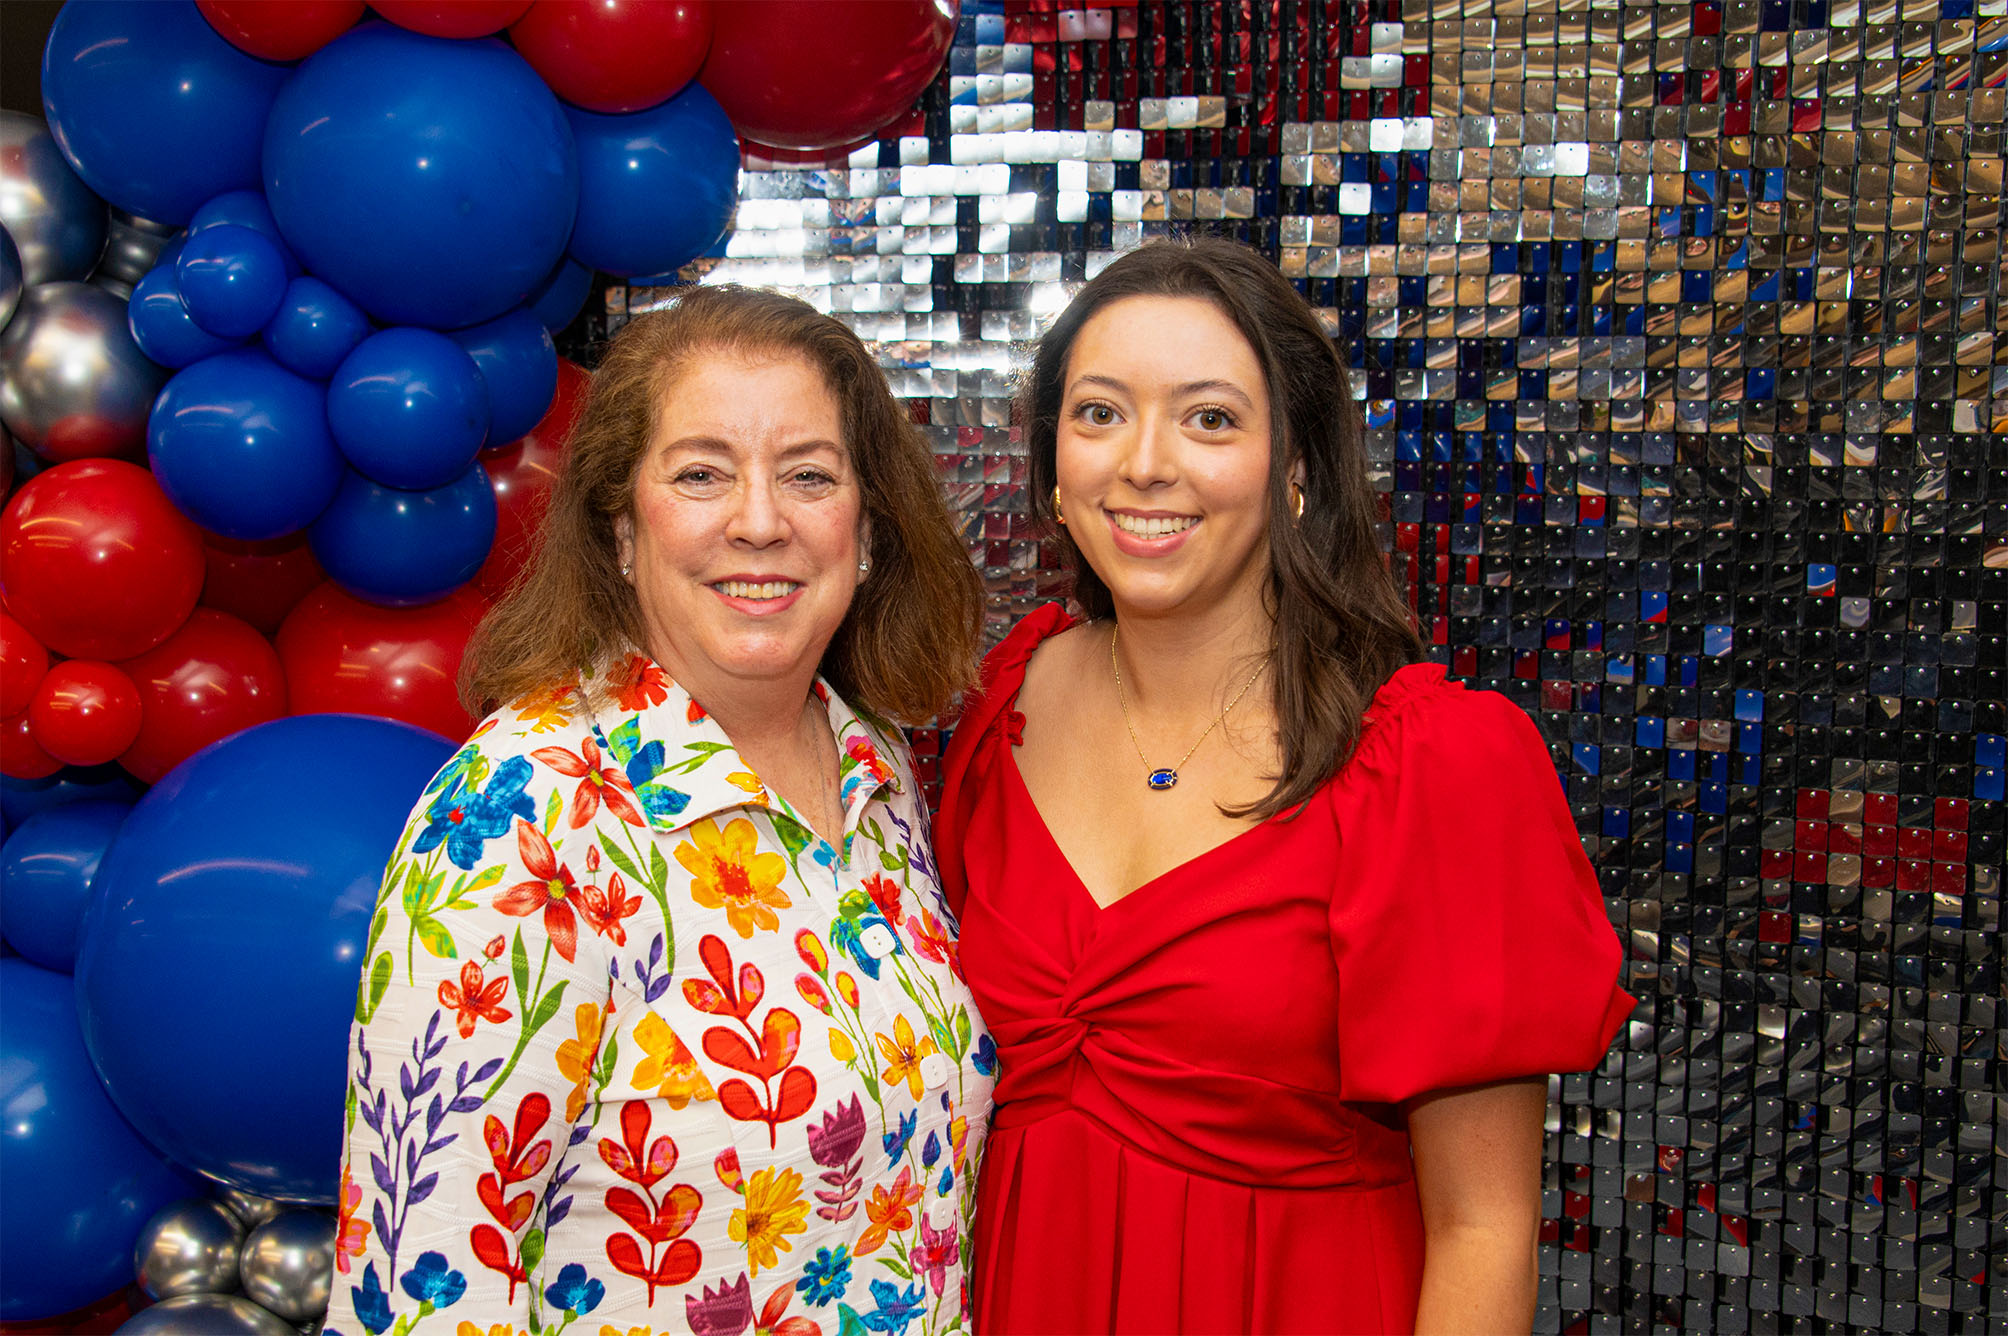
[1678, 333]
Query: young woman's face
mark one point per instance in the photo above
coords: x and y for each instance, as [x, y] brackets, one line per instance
[1162, 456]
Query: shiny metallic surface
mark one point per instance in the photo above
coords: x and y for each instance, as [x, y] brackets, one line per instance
[57, 224]
[134, 244]
[72, 381]
[10, 276]
[288, 1263]
[189, 1248]
[252, 1210]
[205, 1315]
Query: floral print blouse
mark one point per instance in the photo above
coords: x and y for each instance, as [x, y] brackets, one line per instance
[637, 1051]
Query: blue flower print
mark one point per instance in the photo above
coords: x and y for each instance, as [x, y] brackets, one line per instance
[826, 854]
[845, 937]
[465, 820]
[372, 1304]
[895, 1309]
[825, 1278]
[432, 1281]
[947, 1185]
[641, 765]
[895, 1141]
[985, 1056]
[930, 1152]
[573, 1292]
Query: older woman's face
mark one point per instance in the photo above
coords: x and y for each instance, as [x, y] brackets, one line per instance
[747, 522]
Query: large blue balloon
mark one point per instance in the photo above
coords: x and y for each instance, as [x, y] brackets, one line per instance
[76, 1182]
[558, 301]
[399, 548]
[231, 279]
[316, 327]
[656, 187]
[519, 370]
[162, 326]
[155, 111]
[241, 445]
[432, 181]
[222, 947]
[408, 408]
[22, 798]
[46, 867]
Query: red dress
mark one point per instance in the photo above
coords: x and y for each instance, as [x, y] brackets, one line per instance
[1195, 1126]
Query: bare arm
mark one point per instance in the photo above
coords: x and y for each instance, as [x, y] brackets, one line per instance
[1478, 1172]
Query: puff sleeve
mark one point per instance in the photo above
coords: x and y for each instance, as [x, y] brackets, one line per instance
[1467, 926]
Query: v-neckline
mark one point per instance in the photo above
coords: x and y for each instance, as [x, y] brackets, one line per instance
[1052, 841]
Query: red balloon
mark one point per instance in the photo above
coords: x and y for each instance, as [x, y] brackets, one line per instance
[100, 565]
[281, 29]
[345, 656]
[214, 677]
[259, 582]
[615, 55]
[817, 73]
[85, 712]
[523, 475]
[22, 663]
[452, 18]
[20, 755]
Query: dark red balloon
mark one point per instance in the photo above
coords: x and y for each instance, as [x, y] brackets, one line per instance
[523, 475]
[817, 73]
[22, 663]
[452, 18]
[345, 656]
[615, 55]
[214, 677]
[259, 582]
[85, 712]
[281, 29]
[100, 565]
[20, 755]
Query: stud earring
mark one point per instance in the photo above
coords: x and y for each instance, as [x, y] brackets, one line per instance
[1297, 501]
[626, 571]
[1058, 514]
[864, 565]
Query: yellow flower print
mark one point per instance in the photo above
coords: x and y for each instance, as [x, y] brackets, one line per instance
[547, 710]
[750, 782]
[840, 1047]
[903, 1055]
[670, 1070]
[774, 1208]
[575, 1057]
[728, 871]
[609, 1329]
[499, 1329]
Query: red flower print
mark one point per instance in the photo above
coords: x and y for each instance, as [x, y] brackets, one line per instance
[550, 889]
[861, 750]
[516, 1157]
[473, 1000]
[884, 892]
[604, 910]
[890, 1210]
[597, 783]
[932, 941]
[774, 1324]
[496, 946]
[639, 684]
[695, 712]
[645, 1163]
[788, 1090]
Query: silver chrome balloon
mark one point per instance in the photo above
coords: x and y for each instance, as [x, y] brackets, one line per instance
[205, 1315]
[134, 245]
[10, 277]
[288, 1264]
[72, 381]
[189, 1247]
[253, 1211]
[58, 225]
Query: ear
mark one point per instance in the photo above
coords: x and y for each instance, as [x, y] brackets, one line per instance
[1298, 475]
[624, 539]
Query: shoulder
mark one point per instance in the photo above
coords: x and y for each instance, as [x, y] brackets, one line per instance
[1004, 668]
[1424, 729]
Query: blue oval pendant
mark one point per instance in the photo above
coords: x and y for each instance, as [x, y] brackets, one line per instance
[1162, 779]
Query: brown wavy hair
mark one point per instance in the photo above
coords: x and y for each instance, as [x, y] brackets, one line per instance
[911, 637]
[1341, 625]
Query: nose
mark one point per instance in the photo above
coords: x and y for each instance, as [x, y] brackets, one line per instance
[1149, 458]
[757, 519]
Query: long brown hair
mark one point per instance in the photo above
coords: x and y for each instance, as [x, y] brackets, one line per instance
[1341, 626]
[910, 639]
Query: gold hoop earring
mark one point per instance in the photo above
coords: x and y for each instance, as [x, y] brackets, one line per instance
[1297, 501]
[1058, 514]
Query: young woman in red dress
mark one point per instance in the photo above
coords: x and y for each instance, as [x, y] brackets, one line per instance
[1278, 931]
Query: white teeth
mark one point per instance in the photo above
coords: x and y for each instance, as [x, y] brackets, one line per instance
[749, 589]
[1155, 526]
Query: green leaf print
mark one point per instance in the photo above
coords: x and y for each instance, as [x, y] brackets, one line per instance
[435, 937]
[701, 752]
[371, 991]
[553, 809]
[547, 1007]
[519, 966]
[619, 859]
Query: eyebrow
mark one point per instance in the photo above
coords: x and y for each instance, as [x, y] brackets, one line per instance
[795, 451]
[1190, 387]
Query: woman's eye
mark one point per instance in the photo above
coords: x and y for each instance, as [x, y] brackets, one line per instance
[1214, 419]
[1098, 415]
[813, 478]
[696, 476]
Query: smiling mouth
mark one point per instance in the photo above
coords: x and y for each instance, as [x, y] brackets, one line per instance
[1152, 526]
[748, 589]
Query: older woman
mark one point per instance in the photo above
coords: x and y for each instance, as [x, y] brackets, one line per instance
[675, 1033]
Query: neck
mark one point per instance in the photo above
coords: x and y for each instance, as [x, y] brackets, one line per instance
[1184, 663]
[757, 714]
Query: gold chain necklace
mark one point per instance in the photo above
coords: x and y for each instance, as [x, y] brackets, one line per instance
[1164, 777]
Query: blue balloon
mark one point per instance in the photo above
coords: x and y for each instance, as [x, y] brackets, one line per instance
[22, 798]
[76, 1182]
[241, 446]
[316, 327]
[401, 548]
[408, 408]
[432, 181]
[162, 326]
[562, 296]
[46, 867]
[217, 977]
[231, 279]
[655, 187]
[245, 208]
[155, 111]
[519, 371]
